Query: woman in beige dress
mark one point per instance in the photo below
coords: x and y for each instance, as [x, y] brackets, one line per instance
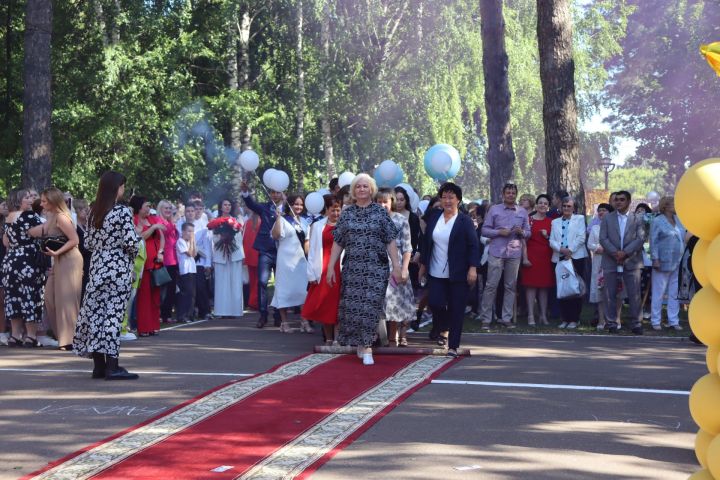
[64, 283]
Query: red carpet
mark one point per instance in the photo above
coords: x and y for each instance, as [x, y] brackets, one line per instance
[282, 424]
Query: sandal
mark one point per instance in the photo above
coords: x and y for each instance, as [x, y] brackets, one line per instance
[66, 348]
[15, 342]
[442, 341]
[30, 342]
[403, 342]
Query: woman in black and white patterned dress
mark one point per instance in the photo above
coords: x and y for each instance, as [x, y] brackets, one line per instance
[24, 282]
[367, 235]
[114, 243]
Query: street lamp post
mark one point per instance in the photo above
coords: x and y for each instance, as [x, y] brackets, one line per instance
[608, 166]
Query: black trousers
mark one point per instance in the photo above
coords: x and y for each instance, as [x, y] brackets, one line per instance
[186, 297]
[202, 293]
[447, 300]
[571, 308]
[168, 293]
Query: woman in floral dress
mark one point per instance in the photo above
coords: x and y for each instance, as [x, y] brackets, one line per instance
[114, 243]
[367, 235]
[24, 282]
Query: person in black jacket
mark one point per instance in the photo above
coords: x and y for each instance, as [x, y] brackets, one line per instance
[450, 256]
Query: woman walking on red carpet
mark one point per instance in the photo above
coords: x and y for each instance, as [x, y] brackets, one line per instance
[321, 304]
[367, 235]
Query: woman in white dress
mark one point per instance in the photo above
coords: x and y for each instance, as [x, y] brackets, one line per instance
[291, 267]
[228, 266]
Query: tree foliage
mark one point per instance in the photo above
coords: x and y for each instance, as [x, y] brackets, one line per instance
[143, 87]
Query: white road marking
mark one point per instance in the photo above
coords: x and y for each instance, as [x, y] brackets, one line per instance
[562, 387]
[182, 325]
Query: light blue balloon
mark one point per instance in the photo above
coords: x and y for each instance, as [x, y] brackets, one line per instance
[388, 182]
[442, 162]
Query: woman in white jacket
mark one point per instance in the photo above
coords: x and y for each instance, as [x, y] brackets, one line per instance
[321, 304]
[567, 239]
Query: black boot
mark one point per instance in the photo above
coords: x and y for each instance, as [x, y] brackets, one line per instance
[415, 324]
[115, 372]
[99, 365]
[277, 318]
[262, 321]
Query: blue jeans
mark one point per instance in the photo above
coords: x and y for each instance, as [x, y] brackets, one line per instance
[266, 263]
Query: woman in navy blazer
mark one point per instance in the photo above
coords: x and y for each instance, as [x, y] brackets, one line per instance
[449, 255]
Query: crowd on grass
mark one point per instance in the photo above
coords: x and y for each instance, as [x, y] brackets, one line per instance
[370, 267]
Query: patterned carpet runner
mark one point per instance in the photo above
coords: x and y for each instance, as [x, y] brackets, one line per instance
[281, 424]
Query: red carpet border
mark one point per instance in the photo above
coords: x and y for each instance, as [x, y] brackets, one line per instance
[282, 424]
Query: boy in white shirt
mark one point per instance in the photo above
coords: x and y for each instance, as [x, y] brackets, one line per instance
[203, 244]
[186, 251]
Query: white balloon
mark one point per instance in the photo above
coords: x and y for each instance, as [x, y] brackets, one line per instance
[423, 205]
[441, 161]
[324, 191]
[267, 175]
[653, 196]
[249, 160]
[387, 170]
[345, 178]
[279, 181]
[314, 202]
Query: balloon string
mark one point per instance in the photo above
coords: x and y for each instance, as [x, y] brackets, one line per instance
[292, 212]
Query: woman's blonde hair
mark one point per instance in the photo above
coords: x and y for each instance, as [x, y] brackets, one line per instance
[529, 197]
[162, 204]
[664, 202]
[370, 180]
[56, 198]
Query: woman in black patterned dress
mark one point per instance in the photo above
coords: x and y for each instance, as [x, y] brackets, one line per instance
[367, 234]
[24, 282]
[114, 243]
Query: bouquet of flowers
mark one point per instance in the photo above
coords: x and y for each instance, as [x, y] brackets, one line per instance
[225, 228]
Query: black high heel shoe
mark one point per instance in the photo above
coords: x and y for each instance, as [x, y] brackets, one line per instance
[30, 342]
[15, 342]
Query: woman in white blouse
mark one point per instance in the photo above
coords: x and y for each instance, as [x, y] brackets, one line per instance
[567, 239]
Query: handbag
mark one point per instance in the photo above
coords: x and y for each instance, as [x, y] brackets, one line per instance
[569, 283]
[160, 276]
[40, 260]
[55, 242]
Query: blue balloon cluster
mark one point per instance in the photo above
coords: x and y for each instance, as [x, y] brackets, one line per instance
[442, 162]
[388, 174]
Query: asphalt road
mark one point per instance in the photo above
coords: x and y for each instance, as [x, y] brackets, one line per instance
[521, 407]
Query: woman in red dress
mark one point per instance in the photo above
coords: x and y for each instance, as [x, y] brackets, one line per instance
[250, 231]
[321, 303]
[148, 295]
[537, 273]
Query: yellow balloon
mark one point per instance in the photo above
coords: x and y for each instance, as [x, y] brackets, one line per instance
[711, 358]
[713, 457]
[703, 314]
[704, 401]
[699, 262]
[702, 440]
[712, 263]
[697, 193]
[701, 475]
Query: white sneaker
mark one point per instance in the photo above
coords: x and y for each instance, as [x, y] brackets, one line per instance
[677, 328]
[368, 359]
[45, 341]
[657, 327]
[4, 338]
[571, 326]
[563, 325]
[128, 337]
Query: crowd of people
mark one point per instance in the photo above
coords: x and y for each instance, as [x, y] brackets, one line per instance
[366, 268]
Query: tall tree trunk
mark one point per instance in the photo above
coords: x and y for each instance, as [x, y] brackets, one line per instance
[8, 61]
[231, 68]
[557, 74]
[325, 92]
[101, 22]
[37, 101]
[115, 30]
[300, 111]
[243, 61]
[501, 157]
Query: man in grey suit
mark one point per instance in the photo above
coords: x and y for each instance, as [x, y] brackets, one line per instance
[622, 235]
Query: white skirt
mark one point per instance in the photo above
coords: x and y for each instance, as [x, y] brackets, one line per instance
[228, 289]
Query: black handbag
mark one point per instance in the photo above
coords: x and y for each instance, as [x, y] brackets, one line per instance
[40, 260]
[160, 276]
[54, 242]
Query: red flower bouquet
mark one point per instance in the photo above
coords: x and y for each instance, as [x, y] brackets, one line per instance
[225, 228]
